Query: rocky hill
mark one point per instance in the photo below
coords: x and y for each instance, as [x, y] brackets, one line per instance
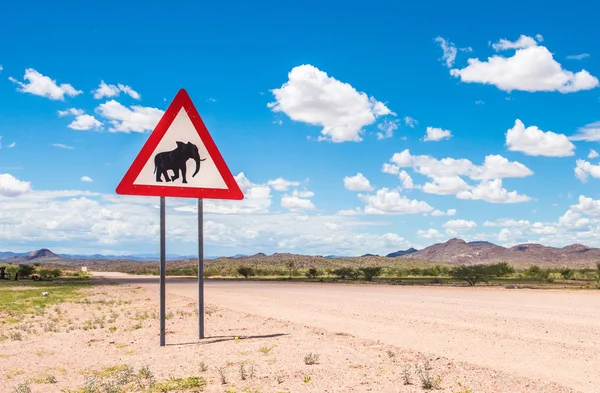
[457, 251]
[401, 253]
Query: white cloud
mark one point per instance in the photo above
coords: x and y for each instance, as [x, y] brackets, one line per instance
[493, 192]
[440, 213]
[593, 154]
[589, 133]
[357, 183]
[437, 134]
[580, 56]
[479, 102]
[449, 51]
[387, 129]
[62, 146]
[298, 200]
[494, 166]
[448, 185]
[280, 184]
[85, 122]
[410, 122]
[523, 42]
[82, 121]
[583, 169]
[350, 212]
[460, 224]
[387, 201]
[430, 233]
[108, 91]
[123, 119]
[71, 111]
[1, 68]
[532, 68]
[393, 169]
[11, 145]
[535, 142]
[44, 86]
[11, 187]
[313, 97]
[87, 179]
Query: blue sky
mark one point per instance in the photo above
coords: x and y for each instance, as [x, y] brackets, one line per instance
[294, 97]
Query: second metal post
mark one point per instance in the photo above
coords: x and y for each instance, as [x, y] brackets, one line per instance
[200, 268]
[162, 271]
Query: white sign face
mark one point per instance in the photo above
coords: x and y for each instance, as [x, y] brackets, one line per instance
[177, 158]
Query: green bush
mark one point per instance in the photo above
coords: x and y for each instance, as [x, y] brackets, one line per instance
[472, 274]
[343, 272]
[370, 272]
[567, 273]
[245, 271]
[312, 273]
[501, 269]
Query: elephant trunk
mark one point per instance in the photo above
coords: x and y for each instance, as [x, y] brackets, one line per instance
[196, 157]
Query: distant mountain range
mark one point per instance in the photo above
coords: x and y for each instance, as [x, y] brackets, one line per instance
[454, 251]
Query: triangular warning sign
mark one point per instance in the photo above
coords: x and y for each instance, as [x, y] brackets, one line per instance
[180, 159]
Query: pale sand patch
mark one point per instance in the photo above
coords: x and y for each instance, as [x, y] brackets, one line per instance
[346, 363]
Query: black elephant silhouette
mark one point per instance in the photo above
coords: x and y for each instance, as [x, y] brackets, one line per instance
[176, 161]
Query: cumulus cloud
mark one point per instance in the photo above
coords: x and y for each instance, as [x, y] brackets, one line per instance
[43, 86]
[11, 187]
[298, 200]
[313, 97]
[357, 183]
[82, 121]
[588, 133]
[532, 68]
[430, 233]
[386, 201]
[493, 192]
[87, 179]
[593, 154]
[440, 213]
[134, 119]
[583, 169]
[410, 122]
[280, 184]
[535, 142]
[494, 166]
[393, 169]
[446, 185]
[437, 134]
[108, 91]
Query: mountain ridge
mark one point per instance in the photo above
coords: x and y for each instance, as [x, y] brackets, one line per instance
[452, 251]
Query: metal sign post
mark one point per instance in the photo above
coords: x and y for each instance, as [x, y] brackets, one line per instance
[162, 271]
[200, 268]
[160, 171]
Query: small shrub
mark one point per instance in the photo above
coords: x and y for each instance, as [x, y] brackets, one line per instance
[311, 358]
[222, 375]
[203, 367]
[371, 272]
[406, 377]
[312, 273]
[471, 274]
[23, 387]
[245, 271]
[428, 382]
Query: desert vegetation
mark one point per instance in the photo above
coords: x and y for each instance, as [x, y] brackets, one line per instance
[427, 274]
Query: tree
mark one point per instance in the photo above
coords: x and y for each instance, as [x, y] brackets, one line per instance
[501, 269]
[245, 271]
[370, 272]
[26, 270]
[343, 272]
[13, 272]
[290, 265]
[312, 273]
[567, 273]
[598, 273]
[472, 274]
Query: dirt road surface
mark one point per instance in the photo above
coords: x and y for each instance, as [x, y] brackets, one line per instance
[541, 334]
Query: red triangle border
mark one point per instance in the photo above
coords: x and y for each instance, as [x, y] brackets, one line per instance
[181, 100]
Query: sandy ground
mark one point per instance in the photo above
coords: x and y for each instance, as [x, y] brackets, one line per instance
[366, 336]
